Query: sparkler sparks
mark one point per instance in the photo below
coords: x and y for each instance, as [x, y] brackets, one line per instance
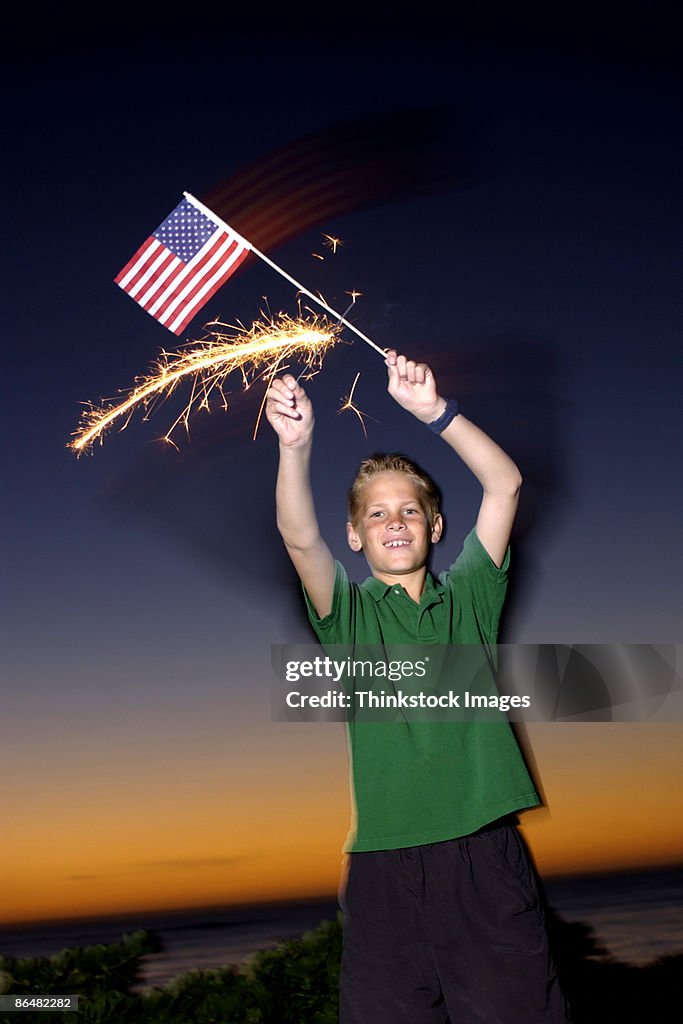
[258, 353]
[331, 242]
[348, 404]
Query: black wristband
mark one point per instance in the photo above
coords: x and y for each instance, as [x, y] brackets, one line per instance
[449, 414]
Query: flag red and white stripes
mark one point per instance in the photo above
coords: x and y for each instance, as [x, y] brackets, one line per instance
[182, 264]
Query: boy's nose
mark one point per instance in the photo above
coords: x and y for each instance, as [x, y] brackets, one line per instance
[397, 524]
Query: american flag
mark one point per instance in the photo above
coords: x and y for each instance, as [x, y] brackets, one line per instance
[180, 266]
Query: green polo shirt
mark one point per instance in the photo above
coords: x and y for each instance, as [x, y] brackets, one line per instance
[417, 782]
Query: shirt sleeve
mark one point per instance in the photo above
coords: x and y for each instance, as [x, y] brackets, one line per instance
[335, 627]
[475, 573]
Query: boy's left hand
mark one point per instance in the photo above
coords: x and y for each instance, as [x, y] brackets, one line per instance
[413, 386]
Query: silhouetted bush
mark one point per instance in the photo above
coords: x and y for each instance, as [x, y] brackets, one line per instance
[102, 975]
[297, 983]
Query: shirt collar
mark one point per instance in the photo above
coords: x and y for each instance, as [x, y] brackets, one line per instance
[377, 589]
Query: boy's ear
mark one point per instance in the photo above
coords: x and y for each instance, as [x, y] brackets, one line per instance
[437, 529]
[354, 540]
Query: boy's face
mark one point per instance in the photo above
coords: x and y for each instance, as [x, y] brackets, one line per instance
[392, 528]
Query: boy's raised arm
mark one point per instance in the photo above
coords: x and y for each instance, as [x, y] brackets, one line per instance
[413, 386]
[290, 414]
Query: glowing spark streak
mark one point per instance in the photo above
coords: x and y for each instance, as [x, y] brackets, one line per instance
[332, 243]
[271, 377]
[348, 404]
[318, 256]
[257, 353]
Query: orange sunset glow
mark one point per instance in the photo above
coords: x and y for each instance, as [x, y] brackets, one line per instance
[215, 815]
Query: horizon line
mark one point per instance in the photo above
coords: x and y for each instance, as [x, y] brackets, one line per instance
[331, 897]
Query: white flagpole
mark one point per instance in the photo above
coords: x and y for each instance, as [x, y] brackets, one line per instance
[316, 298]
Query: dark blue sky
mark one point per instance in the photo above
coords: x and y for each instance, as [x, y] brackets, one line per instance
[546, 291]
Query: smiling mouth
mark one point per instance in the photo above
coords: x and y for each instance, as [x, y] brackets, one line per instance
[396, 543]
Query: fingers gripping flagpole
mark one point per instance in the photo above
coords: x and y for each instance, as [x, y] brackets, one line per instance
[316, 298]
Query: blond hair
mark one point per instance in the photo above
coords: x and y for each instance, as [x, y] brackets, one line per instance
[430, 497]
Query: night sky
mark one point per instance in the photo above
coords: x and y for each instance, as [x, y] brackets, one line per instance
[144, 585]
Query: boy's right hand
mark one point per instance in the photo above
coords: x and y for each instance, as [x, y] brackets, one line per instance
[289, 411]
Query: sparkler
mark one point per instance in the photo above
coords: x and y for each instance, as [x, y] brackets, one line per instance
[258, 353]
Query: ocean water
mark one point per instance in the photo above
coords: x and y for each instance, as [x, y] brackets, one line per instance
[638, 916]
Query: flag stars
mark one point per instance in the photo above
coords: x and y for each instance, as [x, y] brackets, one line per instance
[185, 231]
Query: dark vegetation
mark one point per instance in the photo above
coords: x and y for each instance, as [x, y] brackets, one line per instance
[297, 984]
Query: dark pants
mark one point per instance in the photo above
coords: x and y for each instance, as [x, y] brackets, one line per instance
[447, 933]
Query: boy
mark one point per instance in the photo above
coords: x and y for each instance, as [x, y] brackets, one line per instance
[442, 919]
